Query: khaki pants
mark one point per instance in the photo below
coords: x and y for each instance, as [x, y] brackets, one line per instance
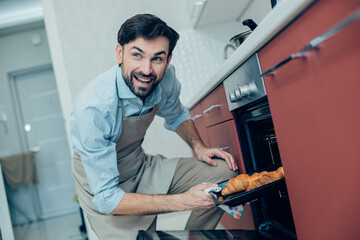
[190, 172]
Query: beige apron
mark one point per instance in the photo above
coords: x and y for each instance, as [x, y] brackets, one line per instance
[139, 172]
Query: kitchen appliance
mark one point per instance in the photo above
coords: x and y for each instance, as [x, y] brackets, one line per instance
[238, 39]
[247, 100]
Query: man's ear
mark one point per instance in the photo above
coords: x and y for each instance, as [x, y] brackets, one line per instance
[119, 53]
[168, 62]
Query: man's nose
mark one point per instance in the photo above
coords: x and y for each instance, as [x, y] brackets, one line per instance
[146, 67]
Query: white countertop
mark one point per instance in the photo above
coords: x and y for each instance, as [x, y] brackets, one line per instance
[279, 17]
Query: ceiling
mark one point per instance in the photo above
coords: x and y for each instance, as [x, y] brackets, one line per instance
[18, 12]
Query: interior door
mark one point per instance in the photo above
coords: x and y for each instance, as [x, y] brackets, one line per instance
[44, 128]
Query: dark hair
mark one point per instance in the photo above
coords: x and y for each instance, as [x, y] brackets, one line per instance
[149, 27]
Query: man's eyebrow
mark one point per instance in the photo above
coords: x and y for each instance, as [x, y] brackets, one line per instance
[156, 54]
[139, 49]
[160, 53]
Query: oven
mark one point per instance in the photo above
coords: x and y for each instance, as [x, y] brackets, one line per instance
[247, 100]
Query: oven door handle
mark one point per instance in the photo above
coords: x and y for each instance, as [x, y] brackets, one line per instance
[211, 108]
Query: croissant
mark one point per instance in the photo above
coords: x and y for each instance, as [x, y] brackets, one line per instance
[254, 185]
[236, 184]
[256, 176]
[240, 183]
[245, 182]
[280, 170]
[266, 178]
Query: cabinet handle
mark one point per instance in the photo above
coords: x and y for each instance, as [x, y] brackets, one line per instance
[225, 148]
[351, 18]
[283, 62]
[211, 108]
[196, 116]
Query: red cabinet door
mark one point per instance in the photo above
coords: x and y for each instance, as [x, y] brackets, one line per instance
[337, 82]
[215, 107]
[198, 118]
[224, 135]
[315, 108]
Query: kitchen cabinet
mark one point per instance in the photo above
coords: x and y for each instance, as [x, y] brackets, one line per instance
[205, 13]
[217, 128]
[222, 136]
[197, 116]
[208, 12]
[215, 108]
[216, 125]
[314, 101]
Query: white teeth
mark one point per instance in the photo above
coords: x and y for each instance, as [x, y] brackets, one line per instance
[144, 80]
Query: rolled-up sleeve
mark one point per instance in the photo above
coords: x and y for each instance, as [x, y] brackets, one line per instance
[91, 137]
[171, 108]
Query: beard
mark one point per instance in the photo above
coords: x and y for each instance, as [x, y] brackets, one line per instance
[141, 92]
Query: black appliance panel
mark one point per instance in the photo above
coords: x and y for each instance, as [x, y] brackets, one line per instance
[247, 100]
[260, 152]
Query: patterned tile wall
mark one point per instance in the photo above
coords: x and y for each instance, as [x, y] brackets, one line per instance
[198, 55]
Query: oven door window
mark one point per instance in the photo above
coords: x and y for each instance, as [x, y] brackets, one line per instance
[261, 137]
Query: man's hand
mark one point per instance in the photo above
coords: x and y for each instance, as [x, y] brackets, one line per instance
[144, 204]
[196, 199]
[205, 154]
[188, 132]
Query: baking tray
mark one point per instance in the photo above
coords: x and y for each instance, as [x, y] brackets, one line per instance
[243, 197]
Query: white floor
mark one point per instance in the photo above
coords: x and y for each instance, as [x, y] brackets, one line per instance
[60, 228]
[67, 227]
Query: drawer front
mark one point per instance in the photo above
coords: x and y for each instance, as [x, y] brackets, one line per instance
[198, 118]
[290, 41]
[215, 107]
[224, 136]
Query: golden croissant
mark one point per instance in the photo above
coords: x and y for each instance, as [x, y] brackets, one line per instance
[265, 179]
[244, 182]
[236, 184]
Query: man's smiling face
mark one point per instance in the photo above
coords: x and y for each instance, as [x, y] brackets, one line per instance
[143, 63]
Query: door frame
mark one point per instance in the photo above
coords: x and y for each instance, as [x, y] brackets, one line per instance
[15, 99]
[20, 121]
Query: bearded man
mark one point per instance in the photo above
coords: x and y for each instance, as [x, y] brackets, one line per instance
[119, 186]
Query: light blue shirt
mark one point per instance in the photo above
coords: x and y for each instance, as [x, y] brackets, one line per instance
[96, 125]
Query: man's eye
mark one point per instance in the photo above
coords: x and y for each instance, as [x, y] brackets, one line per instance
[137, 55]
[158, 59]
